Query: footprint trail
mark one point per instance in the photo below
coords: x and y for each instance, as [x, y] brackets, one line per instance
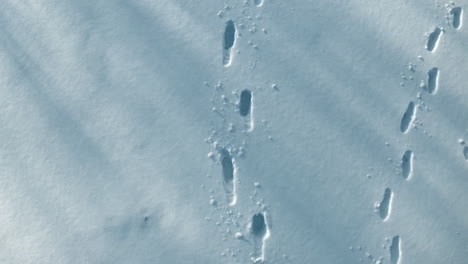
[228, 176]
[408, 117]
[433, 81]
[229, 39]
[407, 164]
[395, 250]
[433, 40]
[245, 108]
[258, 3]
[385, 206]
[457, 15]
[260, 233]
[245, 102]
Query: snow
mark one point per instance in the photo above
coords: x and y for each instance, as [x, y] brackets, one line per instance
[127, 136]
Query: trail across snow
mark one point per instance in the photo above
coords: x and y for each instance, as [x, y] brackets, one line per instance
[240, 131]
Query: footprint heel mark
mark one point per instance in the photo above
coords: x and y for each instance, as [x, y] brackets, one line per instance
[407, 165]
[395, 250]
[245, 108]
[408, 117]
[385, 207]
[457, 17]
[465, 152]
[260, 233]
[228, 176]
[258, 3]
[433, 40]
[432, 81]
[229, 39]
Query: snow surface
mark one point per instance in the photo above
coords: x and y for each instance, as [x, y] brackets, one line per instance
[123, 138]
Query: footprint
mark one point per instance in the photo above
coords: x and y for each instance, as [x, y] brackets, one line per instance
[258, 3]
[407, 164]
[457, 14]
[229, 39]
[260, 232]
[245, 108]
[245, 102]
[433, 81]
[395, 250]
[408, 117]
[433, 40]
[228, 176]
[386, 204]
[465, 152]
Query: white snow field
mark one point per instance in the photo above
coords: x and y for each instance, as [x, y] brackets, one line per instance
[235, 131]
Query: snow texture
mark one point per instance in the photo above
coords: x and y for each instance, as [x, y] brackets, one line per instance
[235, 131]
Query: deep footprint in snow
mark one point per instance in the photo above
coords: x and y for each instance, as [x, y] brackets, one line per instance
[407, 165]
[385, 206]
[259, 230]
[408, 117]
[229, 38]
[245, 108]
[245, 102]
[433, 81]
[465, 152]
[395, 250]
[457, 16]
[433, 40]
[228, 176]
[258, 2]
